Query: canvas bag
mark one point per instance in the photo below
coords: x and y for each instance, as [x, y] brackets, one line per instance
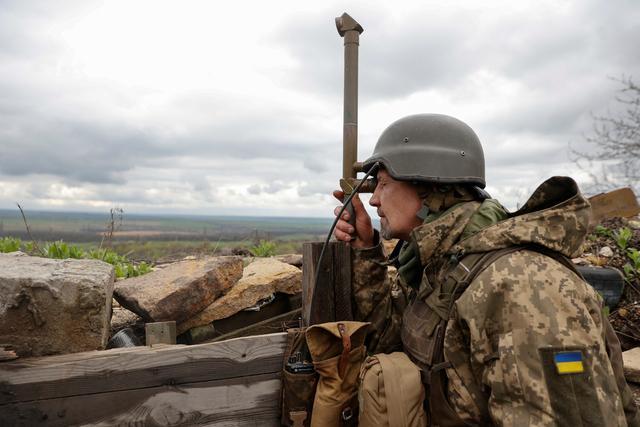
[391, 393]
[337, 350]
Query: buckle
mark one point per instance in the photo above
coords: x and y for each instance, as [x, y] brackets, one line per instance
[347, 413]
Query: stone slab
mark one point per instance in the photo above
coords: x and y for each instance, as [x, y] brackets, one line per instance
[293, 259]
[180, 290]
[260, 279]
[50, 306]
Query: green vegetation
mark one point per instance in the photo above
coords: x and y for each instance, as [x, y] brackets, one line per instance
[61, 250]
[632, 268]
[265, 248]
[602, 231]
[622, 238]
[9, 244]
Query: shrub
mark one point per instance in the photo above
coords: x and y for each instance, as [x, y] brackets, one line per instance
[265, 248]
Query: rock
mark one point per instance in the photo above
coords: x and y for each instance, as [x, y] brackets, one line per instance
[596, 261]
[50, 306]
[580, 261]
[122, 318]
[260, 279]
[631, 362]
[634, 224]
[180, 290]
[606, 252]
[6, 353]
[291, 259]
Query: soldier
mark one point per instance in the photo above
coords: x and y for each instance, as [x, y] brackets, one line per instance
[485, 302]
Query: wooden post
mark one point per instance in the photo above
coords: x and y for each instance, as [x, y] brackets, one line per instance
[333, 299]
[160, 333]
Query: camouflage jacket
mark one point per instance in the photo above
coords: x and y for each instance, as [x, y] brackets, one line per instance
[510, 329]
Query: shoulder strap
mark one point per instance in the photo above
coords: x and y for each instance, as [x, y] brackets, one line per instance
[469, 267]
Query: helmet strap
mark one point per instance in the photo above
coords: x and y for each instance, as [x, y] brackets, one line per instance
[423, 212]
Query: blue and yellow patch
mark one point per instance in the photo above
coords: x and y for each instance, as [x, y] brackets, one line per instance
[568, 362]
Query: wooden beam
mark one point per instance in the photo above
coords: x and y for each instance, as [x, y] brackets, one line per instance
[241, 401]
[77, 374]
[333, 299]
[278, 323]
[621, 202]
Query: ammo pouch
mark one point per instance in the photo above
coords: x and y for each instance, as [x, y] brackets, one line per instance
[299, 380]
[337, 350]
[391, 392]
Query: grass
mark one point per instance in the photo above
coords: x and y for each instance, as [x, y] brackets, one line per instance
[62, 250]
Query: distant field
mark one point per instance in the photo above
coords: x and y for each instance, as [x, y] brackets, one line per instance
[159, 237]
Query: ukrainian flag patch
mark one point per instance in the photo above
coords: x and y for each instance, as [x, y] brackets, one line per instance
[568, 362]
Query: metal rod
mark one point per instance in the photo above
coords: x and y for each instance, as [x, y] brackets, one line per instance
[350, 30]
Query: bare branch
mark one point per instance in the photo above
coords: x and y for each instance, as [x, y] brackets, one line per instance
[113, 224]
[616, 160]
[26, 224]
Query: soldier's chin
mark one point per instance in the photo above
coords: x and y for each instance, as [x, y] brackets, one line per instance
[385, 232]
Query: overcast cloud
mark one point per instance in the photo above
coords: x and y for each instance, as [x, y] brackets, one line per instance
[209, 108]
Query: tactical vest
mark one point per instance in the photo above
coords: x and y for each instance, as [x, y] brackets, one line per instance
[423, 329]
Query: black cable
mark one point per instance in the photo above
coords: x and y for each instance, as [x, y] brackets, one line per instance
[373, 169]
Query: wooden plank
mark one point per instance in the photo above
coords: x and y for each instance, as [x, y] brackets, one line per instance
[324, 293]
[333, 299]
[112, 370]
[283, 303]
[275, 324]
[617, 203]
[160, 333]
[243, 401]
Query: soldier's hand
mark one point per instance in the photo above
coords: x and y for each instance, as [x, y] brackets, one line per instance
[360, 236]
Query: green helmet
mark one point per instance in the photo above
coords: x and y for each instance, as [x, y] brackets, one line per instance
[430, 147]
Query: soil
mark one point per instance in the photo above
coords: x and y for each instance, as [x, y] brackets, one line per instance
[625, 318]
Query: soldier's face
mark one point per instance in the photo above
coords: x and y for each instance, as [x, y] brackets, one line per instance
[397, 203]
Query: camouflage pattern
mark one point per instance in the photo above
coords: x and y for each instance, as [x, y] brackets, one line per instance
[379, 297]
[522, 308]
[551, 218]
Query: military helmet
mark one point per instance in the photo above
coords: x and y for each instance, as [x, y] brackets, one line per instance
[432, 148]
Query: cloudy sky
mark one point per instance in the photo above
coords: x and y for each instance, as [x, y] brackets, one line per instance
[206, 107]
